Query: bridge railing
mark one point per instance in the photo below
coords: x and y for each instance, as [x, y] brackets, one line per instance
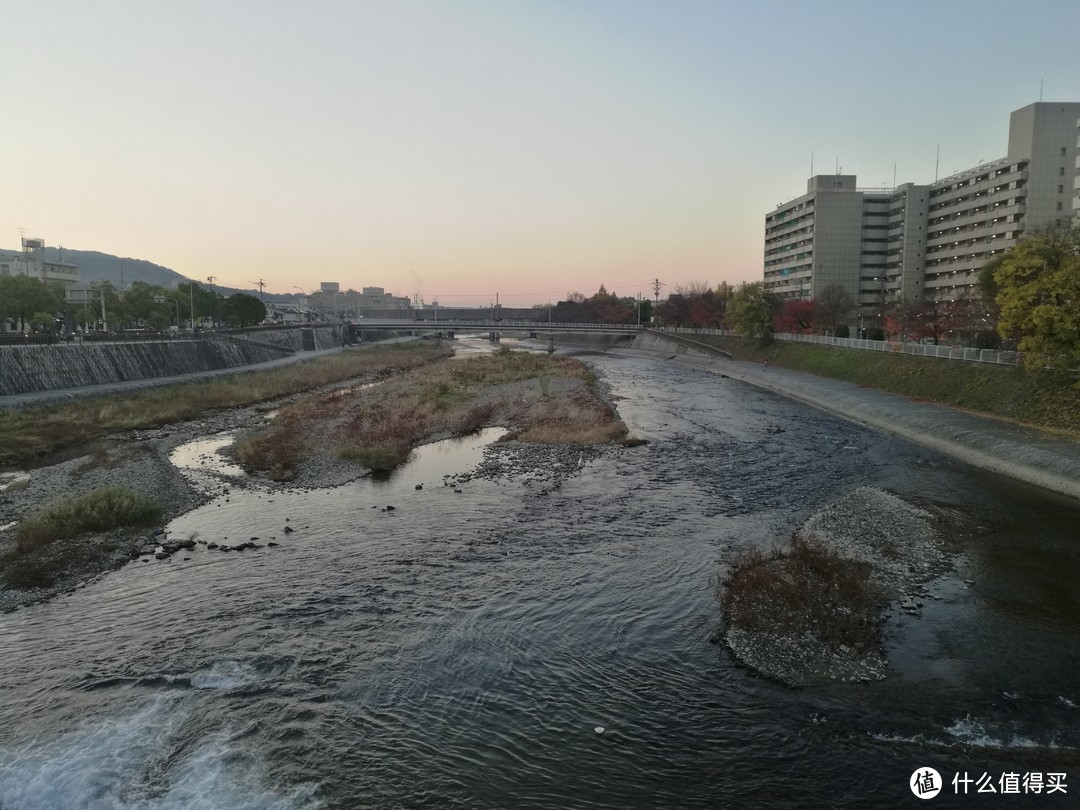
[383, 323]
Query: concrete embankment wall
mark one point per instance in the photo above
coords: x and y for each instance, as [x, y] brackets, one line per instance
[672, 344]
[27, 369]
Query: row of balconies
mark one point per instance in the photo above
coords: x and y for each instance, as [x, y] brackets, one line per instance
[1001, 188]
[789, 235]
[983, 225]
[1007, 205]
[800, 210]
[986, 229]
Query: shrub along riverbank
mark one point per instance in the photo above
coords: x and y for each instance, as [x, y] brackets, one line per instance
[1045, 400]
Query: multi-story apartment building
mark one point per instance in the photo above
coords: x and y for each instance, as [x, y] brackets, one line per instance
[925, 241]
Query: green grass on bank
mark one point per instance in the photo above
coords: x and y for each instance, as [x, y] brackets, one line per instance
[36, 560]
[28, 433]
[100, 510]
[1045, 400]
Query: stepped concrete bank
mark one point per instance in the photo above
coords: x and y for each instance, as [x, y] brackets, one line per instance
[29, 369]
[1044, 459]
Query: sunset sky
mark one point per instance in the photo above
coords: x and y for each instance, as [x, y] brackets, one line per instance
[459, 149]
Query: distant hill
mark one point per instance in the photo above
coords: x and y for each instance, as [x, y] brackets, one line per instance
[96, 266]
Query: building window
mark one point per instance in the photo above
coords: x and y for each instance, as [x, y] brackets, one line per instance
[1059, 206]
[1061, 171]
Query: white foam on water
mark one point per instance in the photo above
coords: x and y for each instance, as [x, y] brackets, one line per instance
[224, 675]
[115, 764]
[970, 731]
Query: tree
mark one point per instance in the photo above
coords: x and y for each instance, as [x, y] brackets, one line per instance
[750, 310]
[1038, 292]
[204, 302]
[43, 322]
[242, 309]
[798, 316]
[21, 297]
[86, 316]
[695, 304]
[834, 304]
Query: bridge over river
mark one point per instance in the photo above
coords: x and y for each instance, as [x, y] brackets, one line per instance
[452, 327]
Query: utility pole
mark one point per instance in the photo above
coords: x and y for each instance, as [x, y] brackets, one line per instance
[260, 284]
[656, 289]
[212, 279]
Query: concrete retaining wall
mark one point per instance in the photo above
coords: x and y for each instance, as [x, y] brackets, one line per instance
[26, 369]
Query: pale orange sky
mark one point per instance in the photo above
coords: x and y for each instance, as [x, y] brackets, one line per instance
[459, 150]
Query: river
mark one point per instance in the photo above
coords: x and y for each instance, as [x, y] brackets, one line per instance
[523, 644]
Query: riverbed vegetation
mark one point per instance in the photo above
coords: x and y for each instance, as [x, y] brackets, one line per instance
[542, 398]
[36, 559]
[807, 589]
[106, 508]
[29, 433]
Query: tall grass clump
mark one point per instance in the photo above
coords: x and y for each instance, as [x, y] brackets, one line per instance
[100, 510]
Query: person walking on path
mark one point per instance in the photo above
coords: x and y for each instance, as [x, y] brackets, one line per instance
[766, 362]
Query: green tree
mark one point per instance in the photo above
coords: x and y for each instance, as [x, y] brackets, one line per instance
[86, 316]
[751, 309]
[43, 322]
[204, 302]
[21, 297]
[243, 310]
[1037, 282]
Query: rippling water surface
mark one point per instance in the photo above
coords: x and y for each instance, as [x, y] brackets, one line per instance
[463, 648]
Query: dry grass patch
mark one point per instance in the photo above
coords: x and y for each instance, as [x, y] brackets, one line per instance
[806, 590]
[378, 427]
[571, 420]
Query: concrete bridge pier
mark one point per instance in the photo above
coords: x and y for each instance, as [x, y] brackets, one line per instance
[551, 344]
[494, 337]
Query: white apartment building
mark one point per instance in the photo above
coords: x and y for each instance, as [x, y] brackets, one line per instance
[915, 241]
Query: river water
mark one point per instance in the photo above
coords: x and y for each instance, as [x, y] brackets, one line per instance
[519, 643]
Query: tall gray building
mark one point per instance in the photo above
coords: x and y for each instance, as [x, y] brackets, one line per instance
[925, 241]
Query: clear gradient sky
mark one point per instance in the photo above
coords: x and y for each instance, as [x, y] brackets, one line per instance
[463, 148]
